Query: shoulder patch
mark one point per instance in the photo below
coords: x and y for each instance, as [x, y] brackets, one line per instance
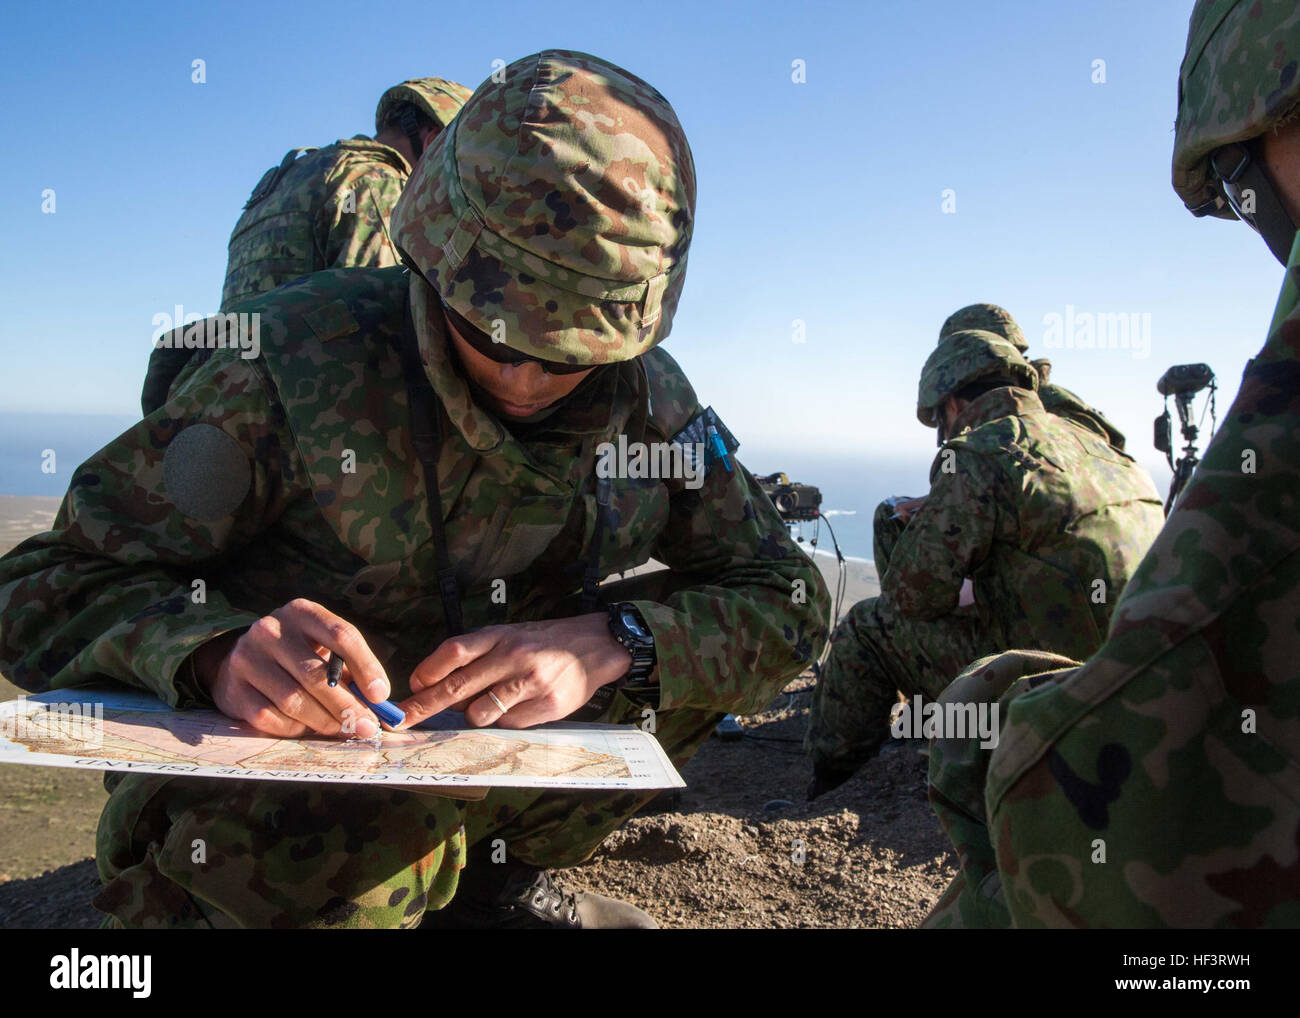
[705, 431]
[205, 473]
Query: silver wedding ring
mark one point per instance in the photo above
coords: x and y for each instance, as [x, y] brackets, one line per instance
[493, 697]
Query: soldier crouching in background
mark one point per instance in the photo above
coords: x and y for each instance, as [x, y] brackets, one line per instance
[1032, 526]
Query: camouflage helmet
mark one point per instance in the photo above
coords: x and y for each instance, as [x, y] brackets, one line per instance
[437, 98]
[966, 357]
[1239, 78]
[988, 318]
[559, 206]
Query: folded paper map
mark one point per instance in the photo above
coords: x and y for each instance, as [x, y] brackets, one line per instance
[126, 730]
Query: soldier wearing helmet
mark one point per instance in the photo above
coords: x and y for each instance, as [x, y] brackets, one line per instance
[324, 208]
[329, 209]
[892, 515]
[1032, 527]
[1056, 399]
[409, 476]
[1156, 785]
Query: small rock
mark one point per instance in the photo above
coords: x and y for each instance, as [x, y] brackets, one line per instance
[776, 805]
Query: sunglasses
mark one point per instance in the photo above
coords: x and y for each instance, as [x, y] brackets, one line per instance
[1250, 194]
[502, 354]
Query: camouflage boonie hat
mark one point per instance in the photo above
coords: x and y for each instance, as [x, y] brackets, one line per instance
[1238, 79]
[987, 318]
[966, 357]
[561, 202]
[437, 97]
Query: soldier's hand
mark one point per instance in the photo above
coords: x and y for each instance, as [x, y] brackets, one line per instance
[273, 675]
[906, 508]
[539, 671]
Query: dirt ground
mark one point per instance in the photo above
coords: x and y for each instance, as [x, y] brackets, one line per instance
[740, 847]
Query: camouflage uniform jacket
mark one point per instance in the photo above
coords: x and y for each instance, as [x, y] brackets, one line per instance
[324, 210]
[1062, 402]
[1177, 747]
[1044, 516]
[293, 475]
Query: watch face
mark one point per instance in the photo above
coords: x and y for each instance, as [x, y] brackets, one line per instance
[633, 623]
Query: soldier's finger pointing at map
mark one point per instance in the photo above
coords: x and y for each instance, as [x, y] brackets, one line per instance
[538, 671]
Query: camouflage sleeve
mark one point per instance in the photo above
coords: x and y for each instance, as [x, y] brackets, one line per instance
[114, 589]
[755, 612]
[946, 540]
[352, 222]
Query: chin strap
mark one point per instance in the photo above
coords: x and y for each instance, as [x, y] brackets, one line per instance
[411, 127]
[591, 581]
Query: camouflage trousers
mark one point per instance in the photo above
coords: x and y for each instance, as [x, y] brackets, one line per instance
[183, 853]
[1134, 792]
[958, 770]
[876, 653]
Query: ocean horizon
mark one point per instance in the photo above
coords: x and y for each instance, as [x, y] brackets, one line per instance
[851, 485]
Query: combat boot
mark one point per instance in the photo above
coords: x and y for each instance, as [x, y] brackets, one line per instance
[501, 896]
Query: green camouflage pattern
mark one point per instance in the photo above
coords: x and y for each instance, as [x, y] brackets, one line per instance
[1239, 78]
[974, 899]
[1056, 399]
[277, 856]
[885, 534]
[1046, 519]
[1061, 401]
[438, 98]
[584, 263]
[107, 592]
[328, 209]
[1176, 749]
[984, 318]
[966, 357]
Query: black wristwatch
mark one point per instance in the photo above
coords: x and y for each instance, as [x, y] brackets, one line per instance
[629, 629]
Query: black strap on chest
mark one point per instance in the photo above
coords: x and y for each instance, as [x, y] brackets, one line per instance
[591, 580]
[426, 436]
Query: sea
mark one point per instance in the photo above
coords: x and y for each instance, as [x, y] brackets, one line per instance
[39, 454]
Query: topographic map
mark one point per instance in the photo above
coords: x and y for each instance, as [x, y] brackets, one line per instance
[134, 731]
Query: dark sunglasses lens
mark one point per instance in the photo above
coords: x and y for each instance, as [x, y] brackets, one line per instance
[503, 354]
[556, 368]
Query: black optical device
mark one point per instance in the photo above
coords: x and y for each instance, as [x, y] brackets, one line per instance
[1183, 382]
[795, 502]
[1184, 378]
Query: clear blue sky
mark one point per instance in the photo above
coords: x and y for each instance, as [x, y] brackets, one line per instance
[818, 201]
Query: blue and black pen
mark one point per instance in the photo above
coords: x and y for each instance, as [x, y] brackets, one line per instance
[389, 713]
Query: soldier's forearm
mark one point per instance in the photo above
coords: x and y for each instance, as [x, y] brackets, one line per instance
[732, 645]
[72, 617]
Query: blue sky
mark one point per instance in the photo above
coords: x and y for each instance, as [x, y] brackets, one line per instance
[820, 201]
